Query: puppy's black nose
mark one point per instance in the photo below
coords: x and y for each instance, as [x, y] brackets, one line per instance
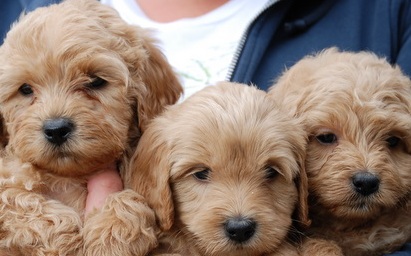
[365, 183]
[240, 229]
[58, 130]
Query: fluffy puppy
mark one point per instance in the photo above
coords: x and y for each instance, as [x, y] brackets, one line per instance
[223, 172]
[356, 108]
[77, 87]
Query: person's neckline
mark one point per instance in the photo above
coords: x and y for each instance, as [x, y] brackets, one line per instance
[164, 12]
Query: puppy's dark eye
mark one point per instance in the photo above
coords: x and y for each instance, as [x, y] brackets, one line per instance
[393, 141]
[270, 172]
[202, 175]
[327, 138]
[25, 89]
[97, 83]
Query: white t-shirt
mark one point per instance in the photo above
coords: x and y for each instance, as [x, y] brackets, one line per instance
[200, 49]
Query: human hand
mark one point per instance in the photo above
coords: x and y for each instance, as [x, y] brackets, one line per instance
[100, 185]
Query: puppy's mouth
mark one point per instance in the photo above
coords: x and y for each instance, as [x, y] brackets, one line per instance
[363, 205]
[63, 154]
[372, 205]
[356, 208]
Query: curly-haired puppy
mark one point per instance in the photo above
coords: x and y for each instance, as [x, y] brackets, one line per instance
[356, 108]
[223, 172]
[77, 87]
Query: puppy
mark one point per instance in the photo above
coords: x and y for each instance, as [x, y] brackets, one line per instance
[223, 172]
[77, 88]
[356, 108]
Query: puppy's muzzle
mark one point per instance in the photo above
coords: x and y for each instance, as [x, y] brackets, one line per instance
[240, 229]
[58, 130]
[365, 183]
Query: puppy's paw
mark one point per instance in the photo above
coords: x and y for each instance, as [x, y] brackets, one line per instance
[124, 226]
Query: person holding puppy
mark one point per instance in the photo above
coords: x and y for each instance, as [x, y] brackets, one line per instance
[253, 42]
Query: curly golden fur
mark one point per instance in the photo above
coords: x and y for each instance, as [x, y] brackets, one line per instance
[356, 108]
[77, 88]
[223, 172]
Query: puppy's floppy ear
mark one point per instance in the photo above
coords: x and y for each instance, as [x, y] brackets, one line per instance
[149, 174]
[152, 70]
[163, 87]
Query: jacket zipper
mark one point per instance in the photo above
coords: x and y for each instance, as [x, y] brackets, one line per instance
[244, 38]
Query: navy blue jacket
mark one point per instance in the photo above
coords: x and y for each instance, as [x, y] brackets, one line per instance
[290, 29]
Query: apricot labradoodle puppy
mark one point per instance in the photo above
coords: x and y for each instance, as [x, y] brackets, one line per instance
[223, 172]
[356, 108]
[77, 87]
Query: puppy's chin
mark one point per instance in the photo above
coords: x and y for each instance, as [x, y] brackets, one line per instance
[238, 250]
